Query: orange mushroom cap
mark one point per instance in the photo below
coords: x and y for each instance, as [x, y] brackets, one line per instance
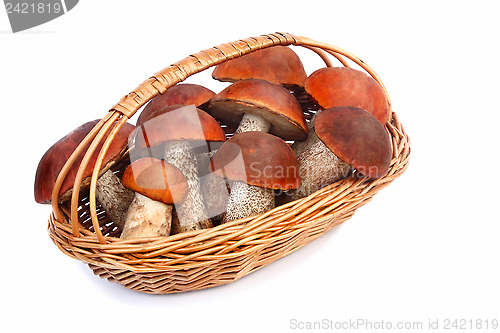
[268, 100]
[185, 123]
[259, 159]
[183, 93]
[277, 64]
[55, 157]
[342, 86]
[156, 179]
[356, 137]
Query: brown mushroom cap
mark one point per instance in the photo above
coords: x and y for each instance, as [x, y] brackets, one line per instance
[342, 86]
[156, 179]
[277, 64]
[185, 123]
[143, 117]
[356, 137]
[265, 99]
[183, 93]
[56, 156]
[259, 159]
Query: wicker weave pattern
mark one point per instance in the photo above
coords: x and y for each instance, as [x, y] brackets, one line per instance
[211, 257]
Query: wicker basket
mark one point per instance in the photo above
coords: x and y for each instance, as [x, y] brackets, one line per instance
[225, 253]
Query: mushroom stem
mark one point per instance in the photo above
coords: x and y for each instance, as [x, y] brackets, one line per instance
[114, 197]
[248, 200]
[318, 166]
[147, 218]
[214, 190]
[216, 194]
[251, 122]
[191, 212]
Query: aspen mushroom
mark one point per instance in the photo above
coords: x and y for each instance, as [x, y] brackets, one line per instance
[256, 163]
[343, 86]
[182, 93]
[342, 138]
[213, 189]
[174, 132]
[157, 185]
[258, 105]
[110, 193]
[277, 64]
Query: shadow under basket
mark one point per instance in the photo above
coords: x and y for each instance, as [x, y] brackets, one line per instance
[210, 257]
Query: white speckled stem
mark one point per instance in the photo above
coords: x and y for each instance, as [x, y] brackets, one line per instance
[147, 218]
[191, 212]
[318, 166]
[248, 200]
[216, 194]
[114, 197]
[251, 122]
[214, 190]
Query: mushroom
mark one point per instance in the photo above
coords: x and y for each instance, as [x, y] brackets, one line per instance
[174, 132]
[255, 105]
[183, 93]
[259, 105]
[256, 163]
[157, 185]
[214, 190]
[343, 86]
[277, 64]
[342, 138]
[110, 193]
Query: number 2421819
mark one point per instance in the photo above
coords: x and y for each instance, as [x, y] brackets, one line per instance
[33, 8]
[464, 324]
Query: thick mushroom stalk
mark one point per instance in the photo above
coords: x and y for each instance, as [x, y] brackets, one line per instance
[147, 218]
[251, 122]
[114, 197]
[318, 166]
[191, 212]
[157, 186]
[215, 192]
[247, 200]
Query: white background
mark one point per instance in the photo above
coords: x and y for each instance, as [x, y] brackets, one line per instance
[426, 247]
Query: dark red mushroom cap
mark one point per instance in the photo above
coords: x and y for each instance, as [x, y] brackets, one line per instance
[258, 159]
[157, 112]
[342, 86]
[156, 179]
[182, 93]
[186, 123]
[356, 137]
[56, 156]
[268, 100]
[277, 64]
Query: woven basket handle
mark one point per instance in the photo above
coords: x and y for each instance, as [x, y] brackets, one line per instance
[158, 84]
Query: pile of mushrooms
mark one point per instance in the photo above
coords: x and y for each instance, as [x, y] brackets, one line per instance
[196, 158]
